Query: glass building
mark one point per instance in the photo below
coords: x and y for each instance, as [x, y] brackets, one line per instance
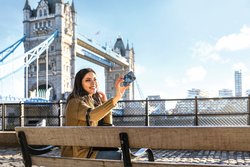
[238, 83]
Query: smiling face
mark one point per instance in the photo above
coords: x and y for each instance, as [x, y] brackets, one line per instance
[89, 83]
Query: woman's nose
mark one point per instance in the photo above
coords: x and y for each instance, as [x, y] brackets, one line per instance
[93, 82]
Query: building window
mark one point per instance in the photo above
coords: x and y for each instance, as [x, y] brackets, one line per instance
[44, 24]
[36, 25]
[40, 13]
[49, 23]
[45, 12]
[40, 24]
[42, 66]
[52, 48]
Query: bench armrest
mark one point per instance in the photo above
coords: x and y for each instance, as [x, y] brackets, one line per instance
[139, 153]
[34, 150]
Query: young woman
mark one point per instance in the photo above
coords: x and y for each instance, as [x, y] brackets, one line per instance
[84, 98]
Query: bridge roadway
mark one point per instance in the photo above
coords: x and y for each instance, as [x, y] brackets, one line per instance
[102, 56]
[11, 157]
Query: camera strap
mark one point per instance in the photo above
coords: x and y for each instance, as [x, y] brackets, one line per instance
[87, 116]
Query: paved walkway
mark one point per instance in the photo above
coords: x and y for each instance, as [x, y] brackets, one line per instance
[11, 157]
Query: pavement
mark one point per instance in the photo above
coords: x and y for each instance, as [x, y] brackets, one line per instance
[12, 157]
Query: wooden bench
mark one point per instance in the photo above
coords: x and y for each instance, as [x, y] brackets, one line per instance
[188, 138]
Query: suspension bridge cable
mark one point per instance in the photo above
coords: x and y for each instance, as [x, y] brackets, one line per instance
[10, 49]
[33, 54]
[139, 90]
[10, 60]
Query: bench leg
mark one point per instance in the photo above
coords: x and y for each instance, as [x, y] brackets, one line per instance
[150, 155]
[24, 148]
[125, 149]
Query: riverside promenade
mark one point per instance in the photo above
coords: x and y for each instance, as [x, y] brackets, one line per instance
[11, 157]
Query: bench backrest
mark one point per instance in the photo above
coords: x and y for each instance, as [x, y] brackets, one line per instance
[192, 138]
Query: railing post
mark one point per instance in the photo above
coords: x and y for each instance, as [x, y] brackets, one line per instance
[60, 113]
[196, 111]
[3, 118]
[147, 114]
[22, 113]
[248, 110]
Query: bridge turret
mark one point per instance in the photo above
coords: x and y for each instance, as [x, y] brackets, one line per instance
[113, 73]
[73, 7]
[50, 16]
[26, 17]
[27, 6]
[119, 46]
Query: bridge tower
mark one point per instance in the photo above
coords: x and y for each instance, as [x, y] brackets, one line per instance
[39, 24]
[113, 73]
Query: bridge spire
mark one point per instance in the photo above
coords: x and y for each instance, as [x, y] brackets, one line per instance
[127, 48]
[119, 46]
[73, 7]
[27, 6]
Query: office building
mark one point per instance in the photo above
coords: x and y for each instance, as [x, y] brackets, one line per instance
[197, 92]
[238, 83]
[248, 92]
[225, 93]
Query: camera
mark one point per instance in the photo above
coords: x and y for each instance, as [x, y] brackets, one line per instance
[129, 78]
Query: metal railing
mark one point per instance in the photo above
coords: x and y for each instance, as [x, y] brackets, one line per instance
[163, 112]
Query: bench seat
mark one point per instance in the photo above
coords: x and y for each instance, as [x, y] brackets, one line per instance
[182, 138]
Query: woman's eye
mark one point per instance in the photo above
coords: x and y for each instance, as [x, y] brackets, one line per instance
[90, 80]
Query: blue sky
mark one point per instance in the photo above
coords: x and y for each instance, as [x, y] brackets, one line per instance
[179, 44]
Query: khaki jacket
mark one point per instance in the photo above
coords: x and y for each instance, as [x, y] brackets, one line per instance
[76, 109]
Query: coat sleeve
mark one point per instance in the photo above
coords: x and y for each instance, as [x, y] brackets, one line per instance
[97, 113]
[108, 118]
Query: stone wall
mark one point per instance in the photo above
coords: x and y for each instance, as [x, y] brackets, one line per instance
[8, 139]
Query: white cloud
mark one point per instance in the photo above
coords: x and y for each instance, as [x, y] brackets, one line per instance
[196, 73]
[234, 42]
[205, 51]
[192, 75]
[139, 69]
[240, 66]
[231, 42]
[171, 82]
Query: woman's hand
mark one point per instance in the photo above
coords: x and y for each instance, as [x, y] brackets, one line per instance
[102, 96]
[119, 89]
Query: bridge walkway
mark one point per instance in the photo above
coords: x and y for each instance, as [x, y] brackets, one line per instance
[11, 157]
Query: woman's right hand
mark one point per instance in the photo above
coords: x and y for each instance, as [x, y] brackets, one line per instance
[120, 89]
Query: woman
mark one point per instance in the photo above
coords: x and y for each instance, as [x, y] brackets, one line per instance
[85, 97]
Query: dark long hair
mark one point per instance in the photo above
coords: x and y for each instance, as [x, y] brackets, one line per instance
[78, 90]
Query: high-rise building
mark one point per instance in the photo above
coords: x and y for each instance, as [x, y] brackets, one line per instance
[248, 92]
[238, 83]
[198, 93]
[225, 93]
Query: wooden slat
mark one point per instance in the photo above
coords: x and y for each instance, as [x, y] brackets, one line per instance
[193, 138]
[159, 164]
[69, 162]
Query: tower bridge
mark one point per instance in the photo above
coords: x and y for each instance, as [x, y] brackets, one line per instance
[51, 45]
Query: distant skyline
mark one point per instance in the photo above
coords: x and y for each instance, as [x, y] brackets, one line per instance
[179, 44]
